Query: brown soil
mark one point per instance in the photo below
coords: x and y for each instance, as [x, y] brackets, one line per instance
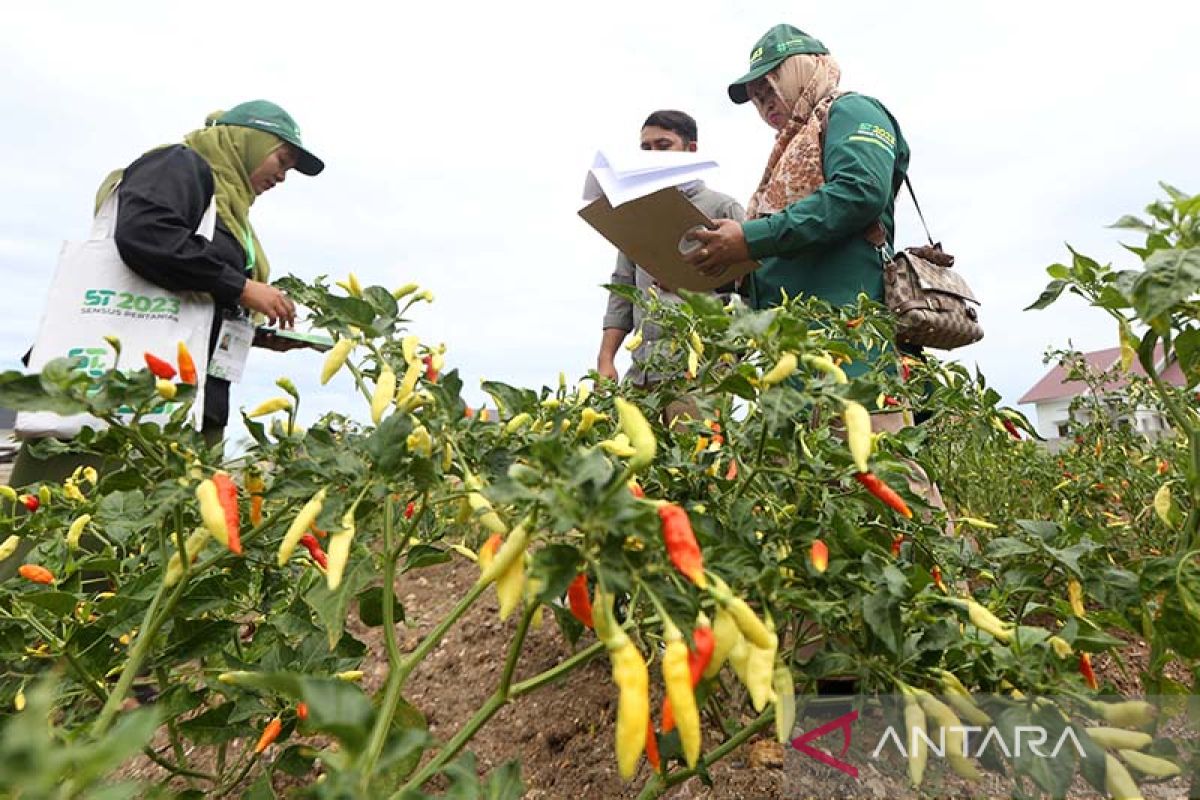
[562, 735]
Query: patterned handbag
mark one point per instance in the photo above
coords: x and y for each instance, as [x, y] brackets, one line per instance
[933, 305]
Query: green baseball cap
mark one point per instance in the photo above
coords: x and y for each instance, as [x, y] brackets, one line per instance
[776, 44]
[264, 115]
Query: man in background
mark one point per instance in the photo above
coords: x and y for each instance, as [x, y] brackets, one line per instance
[662, 130]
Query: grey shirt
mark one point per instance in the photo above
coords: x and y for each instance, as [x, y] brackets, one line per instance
[624, 315]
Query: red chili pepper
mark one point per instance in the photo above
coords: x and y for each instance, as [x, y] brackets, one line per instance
[579, 601]
[302, 711]
[227, 493]
[885, 493]
[936, 572]
[187, 367]
[732, 473]
[699, 656]
[897, 543]
[409, 509]
[30, 502]
[36, 573]
[1163, 466]
[314, 549]
[888, 400]
[159, 368]
[652, 746]
[1085, 669]
[718, 439]
[681, 543]
[905, 371]
[269, 735]
[1011, 427]
[636, 490]
[431, 374]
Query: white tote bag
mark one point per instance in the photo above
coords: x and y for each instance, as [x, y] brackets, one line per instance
[93, 295]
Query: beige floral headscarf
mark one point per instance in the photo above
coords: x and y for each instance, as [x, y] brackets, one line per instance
[809, 85]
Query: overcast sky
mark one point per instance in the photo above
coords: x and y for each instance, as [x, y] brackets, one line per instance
[457, 136]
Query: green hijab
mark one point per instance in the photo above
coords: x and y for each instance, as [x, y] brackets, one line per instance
[232, 152]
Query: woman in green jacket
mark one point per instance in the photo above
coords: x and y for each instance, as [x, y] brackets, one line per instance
[838, 160]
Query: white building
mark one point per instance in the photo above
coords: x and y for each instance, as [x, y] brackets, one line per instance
[1052, 396]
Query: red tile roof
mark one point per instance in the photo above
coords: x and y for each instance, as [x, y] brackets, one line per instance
[1055, 386]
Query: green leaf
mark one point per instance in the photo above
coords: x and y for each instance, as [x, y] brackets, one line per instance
[370, 607]
[555, 565]
[339, 709]
[351, 310]
[60, 604]
[504, 783]
[211, 727]
[330, 607]
[1007, 547]
[261, 789]
[22, 392]
[881, 612]
[1132, 223]
[1048, 296]
[1060, 272]
[1187, 348]
[1171, 277]
[424, 555]
[387, 447]
[511, 399]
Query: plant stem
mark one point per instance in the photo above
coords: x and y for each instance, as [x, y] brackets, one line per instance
[557, 671]
[398, 674]
[141, 647]
[494, 703]
[660, 783]
[389, 579]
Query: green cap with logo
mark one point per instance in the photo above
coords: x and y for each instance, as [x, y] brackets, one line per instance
[777, 44]
[264, 115]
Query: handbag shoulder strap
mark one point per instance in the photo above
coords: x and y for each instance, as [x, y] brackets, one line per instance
[877, 235]
[917, 205]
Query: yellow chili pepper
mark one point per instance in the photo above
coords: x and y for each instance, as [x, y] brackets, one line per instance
[1162, 504]
[385, 390]
[1147, 765]
[725, 635]
[918, 749]
[270, 407]
[760, 669]
[641, 436]
[512, 550]
[783, 369]
[1118, 782]
[587, 418]
[677, 678]
[858, 434]
[336, 358]
[825, 364]
[633, 706]
[785, 702]
[956, 752]
[1118, 738]
[211, 511]
[9, 546]
[1126, 714]
[76, 530]
[489, 519]
[338, 551]
[405, 290]
[192, 547]
[408, 347]
[300, 525]
[635, 341]
[618, 446]
[166, 389]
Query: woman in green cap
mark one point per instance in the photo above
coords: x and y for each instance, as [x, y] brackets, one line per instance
[161, 199]
[833, 173]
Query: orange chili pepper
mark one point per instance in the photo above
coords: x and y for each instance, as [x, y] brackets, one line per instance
[681, 543]
[269, 735]
[36, 573]
[885, 493]
[187, 366]
[652, 745]
[227, 493]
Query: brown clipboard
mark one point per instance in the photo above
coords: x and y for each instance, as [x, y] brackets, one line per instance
[650, 230]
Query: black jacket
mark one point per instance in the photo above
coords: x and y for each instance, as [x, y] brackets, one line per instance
[160, 202]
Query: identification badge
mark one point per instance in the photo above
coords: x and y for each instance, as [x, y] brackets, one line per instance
[233, 348]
